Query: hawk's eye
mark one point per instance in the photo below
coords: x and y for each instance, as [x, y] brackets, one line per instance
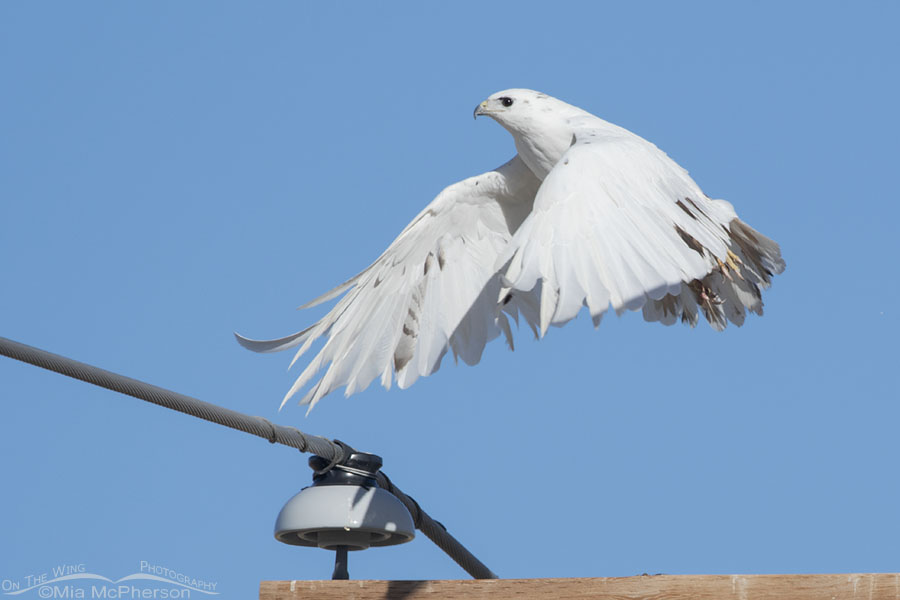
[506, 101]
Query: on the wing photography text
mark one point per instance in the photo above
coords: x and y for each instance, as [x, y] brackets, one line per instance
[73, 581]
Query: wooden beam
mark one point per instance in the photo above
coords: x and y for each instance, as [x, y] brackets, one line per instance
[868, 586]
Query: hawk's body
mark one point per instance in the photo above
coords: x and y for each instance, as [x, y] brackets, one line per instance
[587, 214]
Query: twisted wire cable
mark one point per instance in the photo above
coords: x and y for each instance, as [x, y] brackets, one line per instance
[258, 426]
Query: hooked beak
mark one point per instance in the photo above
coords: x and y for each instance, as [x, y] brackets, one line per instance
[481, 109]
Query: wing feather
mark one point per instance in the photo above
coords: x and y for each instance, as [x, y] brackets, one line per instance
[617, 223]
[434, 289]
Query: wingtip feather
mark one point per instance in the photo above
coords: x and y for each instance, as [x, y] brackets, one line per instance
[274, 345]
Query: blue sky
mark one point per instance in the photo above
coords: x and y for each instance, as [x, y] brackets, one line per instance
[172, 172]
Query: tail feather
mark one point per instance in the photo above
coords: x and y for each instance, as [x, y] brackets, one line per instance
[732, 287]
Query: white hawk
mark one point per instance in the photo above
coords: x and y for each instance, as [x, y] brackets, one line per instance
[586, 214]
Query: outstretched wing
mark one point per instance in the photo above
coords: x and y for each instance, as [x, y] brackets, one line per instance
[434, 288]
[617, 222]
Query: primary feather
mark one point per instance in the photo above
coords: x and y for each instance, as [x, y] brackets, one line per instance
[587, 214]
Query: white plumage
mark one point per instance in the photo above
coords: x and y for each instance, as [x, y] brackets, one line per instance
[587, 214]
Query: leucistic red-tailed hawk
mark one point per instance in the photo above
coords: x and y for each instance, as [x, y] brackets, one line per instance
[586, 214]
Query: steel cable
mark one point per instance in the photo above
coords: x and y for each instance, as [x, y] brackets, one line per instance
[258, 426]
